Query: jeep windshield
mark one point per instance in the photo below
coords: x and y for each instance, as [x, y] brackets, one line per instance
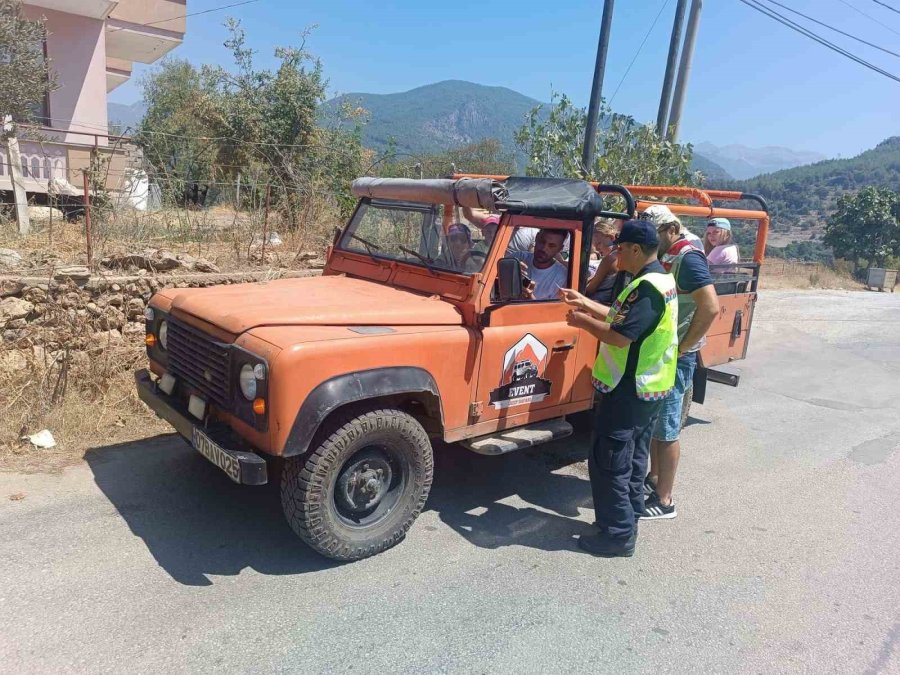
[411, 233]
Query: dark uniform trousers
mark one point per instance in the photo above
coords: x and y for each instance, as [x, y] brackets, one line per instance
[623, 425]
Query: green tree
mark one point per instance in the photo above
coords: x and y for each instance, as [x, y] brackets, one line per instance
[25, 75]
[866, 226]
[172, 133]
[213, 123]
[627, 152]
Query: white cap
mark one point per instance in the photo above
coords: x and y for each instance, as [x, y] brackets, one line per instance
[659, 215]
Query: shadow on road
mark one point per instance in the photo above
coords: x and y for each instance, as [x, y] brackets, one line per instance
[469, 490]
[196, 523]
[692, 421]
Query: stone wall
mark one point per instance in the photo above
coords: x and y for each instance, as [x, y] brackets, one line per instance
[76, 311]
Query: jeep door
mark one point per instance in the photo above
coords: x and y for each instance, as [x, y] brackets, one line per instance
[528, 351]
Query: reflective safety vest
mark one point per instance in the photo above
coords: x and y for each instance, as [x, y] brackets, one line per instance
[672, 260]
[658, 357]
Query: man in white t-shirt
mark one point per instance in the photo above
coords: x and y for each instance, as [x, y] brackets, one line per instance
[547, 275]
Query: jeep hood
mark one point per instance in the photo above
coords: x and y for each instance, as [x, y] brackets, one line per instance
[324, 300]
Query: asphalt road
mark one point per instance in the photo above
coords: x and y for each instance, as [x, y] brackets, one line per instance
[785, 556]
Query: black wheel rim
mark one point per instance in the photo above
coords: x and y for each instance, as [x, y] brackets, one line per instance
[369, 486]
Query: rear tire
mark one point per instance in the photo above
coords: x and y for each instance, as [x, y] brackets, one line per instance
[358, 492]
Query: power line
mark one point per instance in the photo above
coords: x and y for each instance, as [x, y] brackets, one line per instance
[230, 139]
[884, 4]
[868, 16]
[836, 30]
[638, 52]
[772, 14]
[184, 16]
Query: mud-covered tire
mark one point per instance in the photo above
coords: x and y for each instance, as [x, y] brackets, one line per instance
[686, 404]
[310, 491]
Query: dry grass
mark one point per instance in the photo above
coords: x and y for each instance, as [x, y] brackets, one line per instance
[85, 399]
[787, 275]
[229, 239]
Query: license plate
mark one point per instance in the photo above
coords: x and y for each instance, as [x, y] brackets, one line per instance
[217, 455]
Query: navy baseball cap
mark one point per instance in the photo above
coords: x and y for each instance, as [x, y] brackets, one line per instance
[638, 232]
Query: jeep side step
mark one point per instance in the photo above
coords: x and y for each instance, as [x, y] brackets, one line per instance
[508, 440]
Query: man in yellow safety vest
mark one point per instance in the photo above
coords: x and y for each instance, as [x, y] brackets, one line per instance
[633, 373]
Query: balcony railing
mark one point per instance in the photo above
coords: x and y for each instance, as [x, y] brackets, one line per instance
[48, 153]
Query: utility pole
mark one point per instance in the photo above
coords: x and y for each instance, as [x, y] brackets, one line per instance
[590, 131]
[666, 97]
[684, 70]
[20, 198]
[87, 220]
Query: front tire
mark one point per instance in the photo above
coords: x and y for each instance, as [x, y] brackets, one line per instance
[359, 491]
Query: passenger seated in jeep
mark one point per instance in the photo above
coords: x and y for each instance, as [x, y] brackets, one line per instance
[603, 273]
[459, 239]
[547, 274]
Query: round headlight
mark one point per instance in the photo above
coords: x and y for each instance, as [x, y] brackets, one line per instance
[149, 314]
[164, 334]
[248, 382]
[259, 370]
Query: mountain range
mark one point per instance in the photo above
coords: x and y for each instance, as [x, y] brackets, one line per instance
[741, 161]
[801, 199]
[438, 116]
[801, 187]
[126, 116]
[452, 113]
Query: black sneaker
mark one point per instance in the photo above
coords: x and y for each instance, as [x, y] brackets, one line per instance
[656, 510]
[601, 545]
[649, 487]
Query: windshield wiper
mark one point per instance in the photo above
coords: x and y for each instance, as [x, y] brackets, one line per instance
[428, 261]
[368, 244]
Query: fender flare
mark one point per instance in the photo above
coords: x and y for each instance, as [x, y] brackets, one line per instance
[351, 388]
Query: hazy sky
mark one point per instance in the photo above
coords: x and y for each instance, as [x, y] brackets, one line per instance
[753, 81]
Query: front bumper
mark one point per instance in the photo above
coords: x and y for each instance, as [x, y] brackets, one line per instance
[252, 466]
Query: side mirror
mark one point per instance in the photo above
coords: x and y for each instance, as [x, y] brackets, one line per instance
[509, 279]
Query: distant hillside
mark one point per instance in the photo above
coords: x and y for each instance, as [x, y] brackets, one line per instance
[126, 116]
[710, 170]
[802, 199]
[449, 114]
[743, 162]
[440, 116]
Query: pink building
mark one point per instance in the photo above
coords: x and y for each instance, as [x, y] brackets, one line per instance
[91, 45]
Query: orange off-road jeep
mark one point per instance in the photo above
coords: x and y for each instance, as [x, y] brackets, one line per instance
[349, 376]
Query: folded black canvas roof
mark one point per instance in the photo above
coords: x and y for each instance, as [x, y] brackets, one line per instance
[566, 198]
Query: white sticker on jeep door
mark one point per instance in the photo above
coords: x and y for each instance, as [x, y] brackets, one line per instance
[521, 381]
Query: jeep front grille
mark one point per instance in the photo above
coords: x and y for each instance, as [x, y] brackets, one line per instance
[201, 362]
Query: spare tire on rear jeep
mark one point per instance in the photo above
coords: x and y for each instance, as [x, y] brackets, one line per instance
[358, 492]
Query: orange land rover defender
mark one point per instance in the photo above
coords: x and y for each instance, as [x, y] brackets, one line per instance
[349, 376]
